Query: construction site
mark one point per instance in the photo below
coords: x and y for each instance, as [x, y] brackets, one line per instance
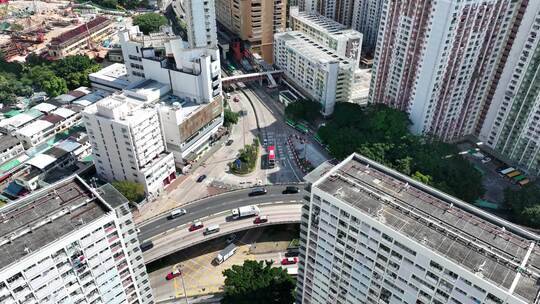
[55, 29]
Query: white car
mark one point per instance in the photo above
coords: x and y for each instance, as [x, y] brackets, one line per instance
[486, 160]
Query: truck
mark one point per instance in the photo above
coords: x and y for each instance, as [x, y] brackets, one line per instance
[245, 211]
[226, 253]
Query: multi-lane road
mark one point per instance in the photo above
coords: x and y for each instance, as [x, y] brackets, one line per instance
[181, 238]
[213, 205]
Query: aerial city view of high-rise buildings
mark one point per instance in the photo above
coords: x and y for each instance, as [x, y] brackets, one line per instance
[270, 151]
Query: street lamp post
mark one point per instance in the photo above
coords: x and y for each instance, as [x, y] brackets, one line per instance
[179, 268]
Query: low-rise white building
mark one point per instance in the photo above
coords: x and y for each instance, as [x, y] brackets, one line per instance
[69, 243]
[317, 71]
[10, 147]
[35, 133]
[110, 79]
[345, 42]
[127, 142]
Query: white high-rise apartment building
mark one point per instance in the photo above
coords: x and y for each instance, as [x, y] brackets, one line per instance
[437, 60]
[69, 243]
[329, 33]
[127, 143]
[373, 235]
[366, 19]
[201, 22]
[512, 125]
[192, 73]
[318, 71]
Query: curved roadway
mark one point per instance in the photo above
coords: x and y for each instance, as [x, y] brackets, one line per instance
[180, 238]
[216, 204]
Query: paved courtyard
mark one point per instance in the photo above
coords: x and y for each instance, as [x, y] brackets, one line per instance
[201, 277]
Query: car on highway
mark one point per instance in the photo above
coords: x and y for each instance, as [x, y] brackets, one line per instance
[211, 229]
[289, 261]
[236, 98]
[146, 246]
[229, 142]
[201, 178]
[291, 190]
[258, 191]
[486, 160]
[177, 213]
[196, 226]
[172, 275]
[260, 219]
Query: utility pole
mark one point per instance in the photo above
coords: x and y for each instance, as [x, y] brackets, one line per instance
[183, 283]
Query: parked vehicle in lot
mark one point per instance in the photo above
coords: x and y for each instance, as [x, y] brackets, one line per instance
[229, 142]
[257, 191]
[211, 229]
[226, 253]
[289, 261]
[245, 211]
[196, 226]
[201, 178]
[176, 213]
[507, 170]
[146, 246]
[291, 190]
[172, 275]
[293, 252]
[261, 219]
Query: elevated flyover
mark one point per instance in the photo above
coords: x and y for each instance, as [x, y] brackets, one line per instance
[180, 238]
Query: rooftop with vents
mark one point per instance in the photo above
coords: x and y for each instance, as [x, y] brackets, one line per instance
[45, 216]
[499, 251]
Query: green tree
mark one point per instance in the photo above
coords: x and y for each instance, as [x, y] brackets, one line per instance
[149, 22]
[257, 282]
[134, 192]
[230, 118]
[75, 70]
[303, 110]
[382, 134]
[524, 205]
[43, 78]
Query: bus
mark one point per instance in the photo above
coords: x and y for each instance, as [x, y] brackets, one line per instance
[302, 128]
[271, 156]
[290, 122]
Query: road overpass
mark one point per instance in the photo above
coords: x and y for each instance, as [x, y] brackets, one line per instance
[252, 77]
[180, 238]
[216, 204]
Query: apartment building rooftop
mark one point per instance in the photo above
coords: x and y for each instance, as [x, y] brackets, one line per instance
[322, 24]
[502, 253]
[7, 142]
[45, 216]
[120, 108]
[35, 127]
[311, 48]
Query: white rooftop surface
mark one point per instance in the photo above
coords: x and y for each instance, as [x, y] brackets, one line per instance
[41, 161]
[132, 111]
[90, 98]
[323, 24]
[115, 73]
[66, 113]
[17, 120]
[309, 48]
[34, 128]
[44, 107]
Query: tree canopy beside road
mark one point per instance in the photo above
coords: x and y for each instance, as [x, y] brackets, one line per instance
[149, 22]
[230, 117]
[257, 282]
[303, 110]
[382, 134]
[524, 205]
